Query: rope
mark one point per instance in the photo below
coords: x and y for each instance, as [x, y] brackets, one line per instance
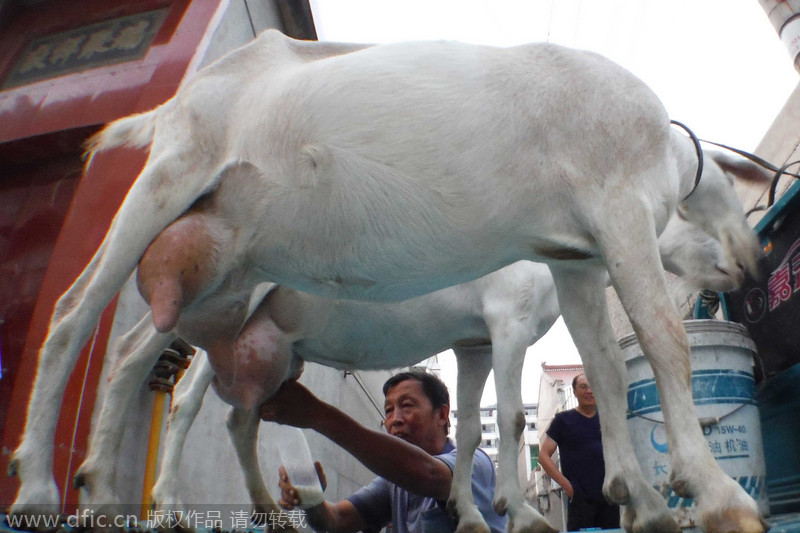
[774, 185]
[698, 149]
[764, 163]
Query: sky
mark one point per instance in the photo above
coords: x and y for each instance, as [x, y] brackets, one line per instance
[717, 65]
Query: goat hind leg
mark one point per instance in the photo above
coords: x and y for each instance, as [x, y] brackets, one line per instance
[146, 211]
[139, 349]
[32, 461]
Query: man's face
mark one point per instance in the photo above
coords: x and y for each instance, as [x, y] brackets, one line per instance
[583, 392]
[411, 416]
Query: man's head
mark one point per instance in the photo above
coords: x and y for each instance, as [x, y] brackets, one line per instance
[583, 392]
[417, 408]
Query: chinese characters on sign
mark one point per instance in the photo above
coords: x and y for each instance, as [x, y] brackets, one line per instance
[768, 303]
[725, 441]
[785, 280]
[104, 43]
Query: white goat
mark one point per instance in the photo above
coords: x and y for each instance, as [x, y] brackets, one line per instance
[363, 335]
[382, 173]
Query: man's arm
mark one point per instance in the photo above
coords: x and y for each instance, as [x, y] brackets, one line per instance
[391, 458]
[546, 460]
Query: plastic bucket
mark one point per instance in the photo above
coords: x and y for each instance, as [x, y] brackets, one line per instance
[723, 388]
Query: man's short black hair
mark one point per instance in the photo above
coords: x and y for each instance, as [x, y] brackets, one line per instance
[575, 380]
[434, 388]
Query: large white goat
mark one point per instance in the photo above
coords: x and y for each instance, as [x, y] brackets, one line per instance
[363, 335]
[382, 173]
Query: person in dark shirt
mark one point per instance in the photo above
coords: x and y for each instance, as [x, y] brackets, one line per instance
[576, 434]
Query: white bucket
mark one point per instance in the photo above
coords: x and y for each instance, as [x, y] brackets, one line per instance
[723, 388]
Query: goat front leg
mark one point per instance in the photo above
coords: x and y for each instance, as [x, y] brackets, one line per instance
[722, 503]
[148, 208]
[581, 294]
[474, 365]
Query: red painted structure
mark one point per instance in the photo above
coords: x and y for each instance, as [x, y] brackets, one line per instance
[52, 215]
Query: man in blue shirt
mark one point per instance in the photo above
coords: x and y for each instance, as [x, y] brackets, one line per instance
[576, 433]
[414, 461]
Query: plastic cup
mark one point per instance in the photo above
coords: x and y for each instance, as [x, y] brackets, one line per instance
[296, 458]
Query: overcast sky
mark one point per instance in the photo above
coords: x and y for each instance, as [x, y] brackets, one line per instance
[718, 66]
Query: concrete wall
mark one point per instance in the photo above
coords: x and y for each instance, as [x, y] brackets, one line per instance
[241, 21]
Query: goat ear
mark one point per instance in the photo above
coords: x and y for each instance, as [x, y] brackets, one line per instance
[741, 168]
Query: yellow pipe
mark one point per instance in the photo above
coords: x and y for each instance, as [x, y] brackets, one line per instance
[153, 442]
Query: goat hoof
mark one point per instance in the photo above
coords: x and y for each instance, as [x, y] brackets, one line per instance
[527, 520]
[735, 521]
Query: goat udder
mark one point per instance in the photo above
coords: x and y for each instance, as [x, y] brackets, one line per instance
[175, 268]
[252, 367]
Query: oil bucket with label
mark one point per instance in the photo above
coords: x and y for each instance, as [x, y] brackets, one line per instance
[723, 387]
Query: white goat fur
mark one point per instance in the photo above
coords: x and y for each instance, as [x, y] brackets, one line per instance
[359, 172]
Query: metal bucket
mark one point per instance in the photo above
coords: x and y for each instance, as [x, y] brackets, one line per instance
[723, 388]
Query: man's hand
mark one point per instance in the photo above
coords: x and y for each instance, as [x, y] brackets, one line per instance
[289, 495]
[292, 405]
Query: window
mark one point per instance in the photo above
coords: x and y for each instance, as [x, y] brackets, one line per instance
[534, 456]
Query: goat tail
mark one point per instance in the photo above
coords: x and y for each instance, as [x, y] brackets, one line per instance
[135, 131]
